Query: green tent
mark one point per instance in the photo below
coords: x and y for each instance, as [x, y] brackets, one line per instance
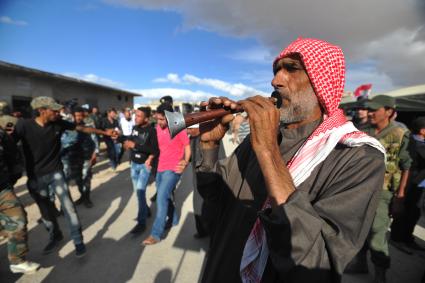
[409, 99]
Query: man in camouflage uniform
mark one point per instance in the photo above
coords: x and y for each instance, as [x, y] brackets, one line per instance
[78, 156]
[13, 220]
[403, 226]
[395, 139]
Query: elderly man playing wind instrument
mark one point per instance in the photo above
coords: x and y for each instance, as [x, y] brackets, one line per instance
[297, 198]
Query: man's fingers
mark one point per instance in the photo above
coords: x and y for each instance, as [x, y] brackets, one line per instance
[261, 107]
[218, 102]
[261, 101]
[228, 102]
[214, 102]
[250, 108]
[227, 119]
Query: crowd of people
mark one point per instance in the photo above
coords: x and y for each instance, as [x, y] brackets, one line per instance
[304, 195]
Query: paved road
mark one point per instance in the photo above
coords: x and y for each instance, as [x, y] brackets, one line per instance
[115, 256]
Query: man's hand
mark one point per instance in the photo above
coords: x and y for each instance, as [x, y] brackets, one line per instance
[181, 166]
[129, 144]
[93, 159]
[397, 206]
[213, 131]
[148, 163]
[264, 120]
[110, 132]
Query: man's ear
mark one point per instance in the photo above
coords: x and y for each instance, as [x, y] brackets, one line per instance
[391, 113]
[422, 132]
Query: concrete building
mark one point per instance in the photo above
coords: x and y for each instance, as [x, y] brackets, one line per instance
[19, 84]
[179, 106]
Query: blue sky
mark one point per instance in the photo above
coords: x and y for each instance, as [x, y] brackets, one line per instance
[188, 50]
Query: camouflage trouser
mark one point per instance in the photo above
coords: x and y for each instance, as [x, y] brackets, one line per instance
[13, 221]
[378, 240]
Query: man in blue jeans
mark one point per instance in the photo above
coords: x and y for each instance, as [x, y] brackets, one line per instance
[173, 159]
[41, 143]
[144, 149]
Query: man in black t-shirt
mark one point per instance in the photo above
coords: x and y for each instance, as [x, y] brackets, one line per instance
[113, 147]
[41, 142]
[144, 149]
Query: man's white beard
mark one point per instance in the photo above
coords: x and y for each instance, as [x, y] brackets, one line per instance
[301, 105]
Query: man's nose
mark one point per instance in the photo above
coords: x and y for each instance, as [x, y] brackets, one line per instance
[278, 80]
[275, 82]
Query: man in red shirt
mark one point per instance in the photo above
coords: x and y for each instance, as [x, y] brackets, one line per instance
[173, 158]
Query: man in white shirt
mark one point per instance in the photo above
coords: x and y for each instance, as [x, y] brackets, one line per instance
[127, 123]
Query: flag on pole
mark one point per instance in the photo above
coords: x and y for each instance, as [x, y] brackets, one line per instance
[363, 91]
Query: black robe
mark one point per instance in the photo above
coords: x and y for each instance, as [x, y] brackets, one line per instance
[313, 236]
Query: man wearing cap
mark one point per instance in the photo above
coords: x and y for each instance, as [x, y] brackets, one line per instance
[41, 142]
[402, 226]
[297, 198]
[395, 140]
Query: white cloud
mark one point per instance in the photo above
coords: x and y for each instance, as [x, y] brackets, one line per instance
[359, 75]
[171, 77]
[10, 21]
[177, 94]
[259, 55]
[401, 55]
[377, 30]
[95, 79]
[260, 79]
[236, 90]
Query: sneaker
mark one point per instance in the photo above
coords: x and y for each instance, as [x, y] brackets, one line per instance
[138, 229]
[52, 244]
[26, 267]
[80, 250]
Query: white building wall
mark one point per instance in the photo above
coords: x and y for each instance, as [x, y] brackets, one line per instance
[13, 85]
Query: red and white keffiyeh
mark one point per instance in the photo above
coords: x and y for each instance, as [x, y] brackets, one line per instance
[325, 66]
